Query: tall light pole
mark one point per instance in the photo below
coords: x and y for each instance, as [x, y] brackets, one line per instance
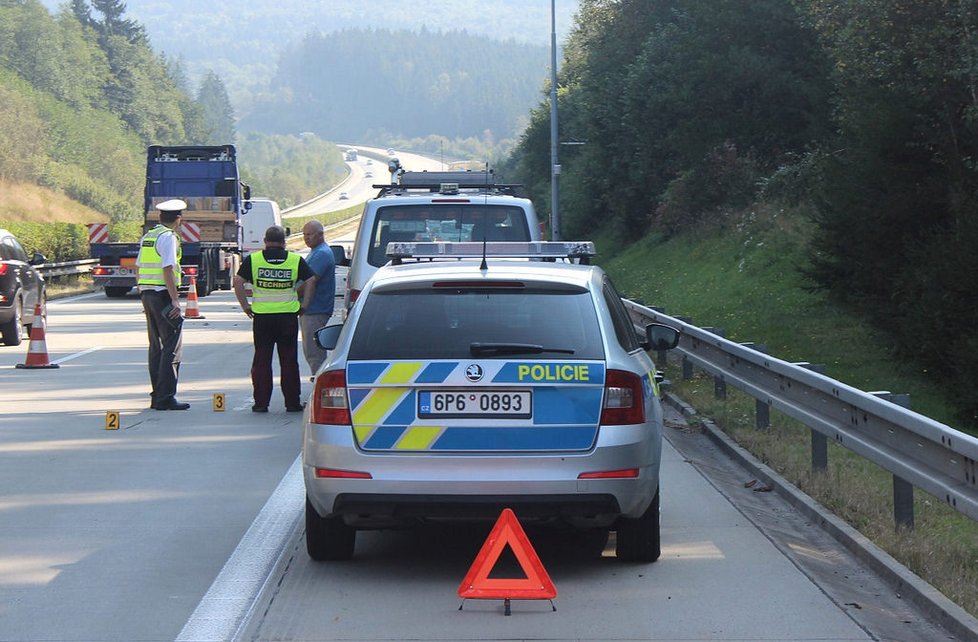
[554, 164]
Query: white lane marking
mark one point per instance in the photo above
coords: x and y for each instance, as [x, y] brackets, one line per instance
[227, 606]
[77, 354]
[70, 299]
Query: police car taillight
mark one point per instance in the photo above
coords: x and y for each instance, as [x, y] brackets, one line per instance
[98, 270]
[329, 399]
[623, 400]
[3, 269]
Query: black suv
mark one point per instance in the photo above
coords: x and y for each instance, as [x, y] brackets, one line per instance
[21, 289]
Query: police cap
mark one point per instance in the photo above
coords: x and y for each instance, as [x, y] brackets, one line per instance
[172, 205]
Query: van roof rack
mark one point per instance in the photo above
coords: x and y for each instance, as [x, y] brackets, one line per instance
[397, 251]
[450, 182]
[509, 189]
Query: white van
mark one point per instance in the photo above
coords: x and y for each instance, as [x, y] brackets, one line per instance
[437, 206]
[263, 214]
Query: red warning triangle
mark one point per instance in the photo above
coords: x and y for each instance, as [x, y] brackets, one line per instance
[478, 584]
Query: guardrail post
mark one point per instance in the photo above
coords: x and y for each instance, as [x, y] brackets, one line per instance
[762, 408]
[719, 383]
[687, 364]
[903, 513]
[820, 444]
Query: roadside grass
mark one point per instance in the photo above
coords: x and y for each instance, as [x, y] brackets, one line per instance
[23, 202]
[61, 287]
[746, 277]
[295, 223]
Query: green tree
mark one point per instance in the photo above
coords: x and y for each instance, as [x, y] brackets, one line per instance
[114, 24]
[22, 137]
[899, 204]
[216, 108]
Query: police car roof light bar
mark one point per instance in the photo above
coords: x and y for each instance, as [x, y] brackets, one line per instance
[582, 250]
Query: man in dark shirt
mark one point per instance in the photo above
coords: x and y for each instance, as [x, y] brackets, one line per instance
[273, 274]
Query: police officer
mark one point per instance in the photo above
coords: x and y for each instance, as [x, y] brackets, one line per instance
[158, 263]
[273, 274]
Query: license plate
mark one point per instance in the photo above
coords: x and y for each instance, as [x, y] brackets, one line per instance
[511, 404]
[124, 271]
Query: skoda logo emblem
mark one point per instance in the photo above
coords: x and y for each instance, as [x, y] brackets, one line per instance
[473, 372]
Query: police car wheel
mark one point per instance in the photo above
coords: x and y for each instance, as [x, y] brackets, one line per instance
[638, 538]
[328, 538]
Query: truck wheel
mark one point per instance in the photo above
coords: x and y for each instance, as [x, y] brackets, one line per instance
[203, 274]
[13, 330]
[638, 538]
[328, 538]
[116, 292]
[212, 270]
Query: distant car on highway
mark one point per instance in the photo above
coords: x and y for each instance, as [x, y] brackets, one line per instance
[460, 387]
[391, 152]
[344, 196]
[21, 288]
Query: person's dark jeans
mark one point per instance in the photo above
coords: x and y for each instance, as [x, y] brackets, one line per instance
[270, 332]
[165, 347]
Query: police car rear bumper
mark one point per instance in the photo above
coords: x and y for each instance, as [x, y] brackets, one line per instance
[381, 510]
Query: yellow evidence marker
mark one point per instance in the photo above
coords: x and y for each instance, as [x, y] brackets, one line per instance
[218, 402]
[112, 420]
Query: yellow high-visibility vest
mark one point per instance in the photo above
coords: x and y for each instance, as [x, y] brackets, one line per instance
[150, 262]
[273, 286]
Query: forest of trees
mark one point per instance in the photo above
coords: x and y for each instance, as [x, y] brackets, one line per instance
[863, 113]
[370, 85]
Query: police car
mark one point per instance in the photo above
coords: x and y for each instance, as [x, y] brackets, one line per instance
[464, 382]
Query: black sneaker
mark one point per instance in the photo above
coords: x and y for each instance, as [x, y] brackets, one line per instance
[298, 408]
[259, 409]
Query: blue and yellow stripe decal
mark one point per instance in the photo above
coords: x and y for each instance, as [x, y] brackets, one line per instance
[567, 399]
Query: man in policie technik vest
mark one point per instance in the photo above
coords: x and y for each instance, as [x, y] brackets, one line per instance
[273, 274]
[159, 277]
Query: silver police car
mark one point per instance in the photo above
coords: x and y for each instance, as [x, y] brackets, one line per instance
[460, 387]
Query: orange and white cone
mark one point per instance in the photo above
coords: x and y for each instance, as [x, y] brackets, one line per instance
[37, 351]
[193, 307]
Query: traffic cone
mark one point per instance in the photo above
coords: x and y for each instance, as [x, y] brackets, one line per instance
[193, 307]
[37, 351]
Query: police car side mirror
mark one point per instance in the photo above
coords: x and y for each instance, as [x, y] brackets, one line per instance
[38, 259]
[660, 337]
[327, 336]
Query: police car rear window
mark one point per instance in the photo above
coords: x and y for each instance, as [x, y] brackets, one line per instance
[443, 323]
[445, 222]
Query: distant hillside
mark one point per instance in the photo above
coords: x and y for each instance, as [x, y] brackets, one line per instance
[348, 84]
[242, 41]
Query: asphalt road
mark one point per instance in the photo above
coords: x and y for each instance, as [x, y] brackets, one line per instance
[126, 534]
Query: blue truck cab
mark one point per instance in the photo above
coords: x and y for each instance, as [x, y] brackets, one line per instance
[206, 177]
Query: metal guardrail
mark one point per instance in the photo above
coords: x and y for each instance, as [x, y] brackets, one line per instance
[917, 450]
[67, 268]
